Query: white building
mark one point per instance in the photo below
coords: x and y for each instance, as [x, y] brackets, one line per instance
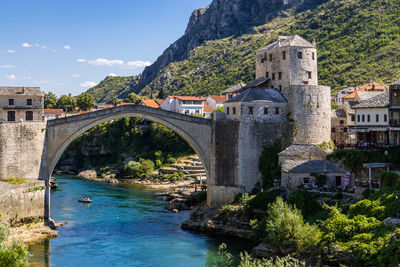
[51, 114]
[215, 101]
[372, 120]
[188, 105]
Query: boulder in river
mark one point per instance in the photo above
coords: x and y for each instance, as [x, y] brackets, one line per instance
[88, 174]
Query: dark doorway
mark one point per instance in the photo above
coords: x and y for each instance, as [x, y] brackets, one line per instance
[338, 180]
[29, 115]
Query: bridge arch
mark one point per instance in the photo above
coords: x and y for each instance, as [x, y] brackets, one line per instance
[60, 133]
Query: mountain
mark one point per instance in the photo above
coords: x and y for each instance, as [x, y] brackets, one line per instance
[358, 42]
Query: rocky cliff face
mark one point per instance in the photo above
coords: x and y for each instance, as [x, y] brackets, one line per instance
[220, 19]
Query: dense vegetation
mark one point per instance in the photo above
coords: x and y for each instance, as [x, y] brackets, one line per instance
[357, 41]
[14, 254]
[112, 142]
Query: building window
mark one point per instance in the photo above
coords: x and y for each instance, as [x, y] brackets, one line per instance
[300, 55]
[272, 86]
[10, 115]
[227, 110]
[306, 180]
[276, 110]
[309, 74]
[280, 75]
[29, 115]
[368, 118]
[341, 121]
[358, 118]
[363, 118]
[273, 76]
[29, 102]
[353, 118]
[11, 102]
[234, 110]
[197, 111]
[345, 130]
[267, 74]
[270, 57]
[333, 130]
[284, 55]
[313, 55]
[250, 110]
[265, 110]
[280, 87]
[385, 118]
[377, 118]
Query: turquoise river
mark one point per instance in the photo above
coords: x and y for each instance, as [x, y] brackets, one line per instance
[125, 225]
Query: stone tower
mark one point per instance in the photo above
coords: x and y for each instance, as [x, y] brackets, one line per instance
[290, 63]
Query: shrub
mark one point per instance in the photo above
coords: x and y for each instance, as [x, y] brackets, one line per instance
[285, 223]
[147, 165]
[269, 164]
[14, 255]
[389, 179]
[260, 201]
[159, 163]
[14, 180]
[133, 168]
[305, 201]
[367, 208]
[171, 160]
[368, 192]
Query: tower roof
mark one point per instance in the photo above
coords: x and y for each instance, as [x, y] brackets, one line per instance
[259, 94]
[283, 41]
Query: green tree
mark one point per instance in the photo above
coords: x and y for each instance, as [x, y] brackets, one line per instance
[161, 94]
[132, 98]
[85, 101]
[269, 164]
[50, 100]
[66, 103]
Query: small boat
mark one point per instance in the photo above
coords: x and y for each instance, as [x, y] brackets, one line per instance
[85, 200]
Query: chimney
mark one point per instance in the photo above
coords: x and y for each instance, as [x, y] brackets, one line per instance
[314, 42]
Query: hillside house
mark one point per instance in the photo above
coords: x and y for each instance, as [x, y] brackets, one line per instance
[188, 105]
[152, 103]
[21, 104]
[215, 101]
[233, 91]
[339, 131]
[52, 114]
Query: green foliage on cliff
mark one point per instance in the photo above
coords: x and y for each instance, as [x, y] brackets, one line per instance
[357, 43]
[112, 87]
[14, 180]
[268, 164]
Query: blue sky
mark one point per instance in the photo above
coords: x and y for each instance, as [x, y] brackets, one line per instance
[68, 46]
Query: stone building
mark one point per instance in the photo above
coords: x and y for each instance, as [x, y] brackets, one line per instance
[339, 130]
[233, 91]
[289, 65]
[21, 104]
[394, 113]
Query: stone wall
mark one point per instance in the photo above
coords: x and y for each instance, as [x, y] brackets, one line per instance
[22, 201]
[311, 112]
[21, 148]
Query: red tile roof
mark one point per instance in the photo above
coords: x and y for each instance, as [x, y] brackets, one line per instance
[153, 103]
[374, 86]
[109, 106]
[52, 111]
[218, 98]
[207, 108]
[125, 104]
[187, 98]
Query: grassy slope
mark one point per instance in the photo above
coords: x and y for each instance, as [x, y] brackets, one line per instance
[358, 42]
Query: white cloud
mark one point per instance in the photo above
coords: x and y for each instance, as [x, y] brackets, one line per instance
[119, 63]
[88, 84]
[11, 77]
[26, 45]
[11, 51]
[76, 75]
[41, 46]
[112, 74]
[81, 60]
[7, 66]
[67, 47]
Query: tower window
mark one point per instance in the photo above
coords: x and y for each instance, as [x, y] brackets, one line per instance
[276, 110]
[284, 55]
[273, 76]
[368, 118]
[385, 118]
[300, 55]
[234, 111]
[279, 75]
[358, 118]
[10, 115]
[265, 110]
[250, 110]
[29, 102]
[267, 74]
[227, 110]
[377, 118]
[270, 57]
[313, 55]
[11, 102]
[363, 118]
[280, 87]
[353, 118]
[309, 74]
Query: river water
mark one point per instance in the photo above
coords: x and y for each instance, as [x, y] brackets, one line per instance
[125, 225]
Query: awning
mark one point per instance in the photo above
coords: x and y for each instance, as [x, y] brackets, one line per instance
[381, 129]
[395, 128]
[355, 130]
